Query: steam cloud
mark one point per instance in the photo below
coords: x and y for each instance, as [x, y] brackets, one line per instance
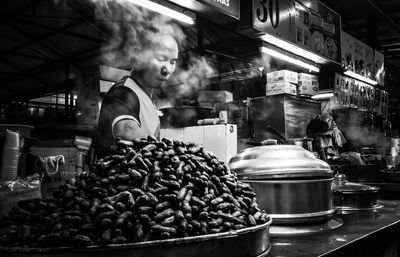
[186, 82]
[126, 21]
[354, 129]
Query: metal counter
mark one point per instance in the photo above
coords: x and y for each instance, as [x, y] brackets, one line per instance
[364, 233]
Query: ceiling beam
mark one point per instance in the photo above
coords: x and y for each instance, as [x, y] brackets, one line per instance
[70, 59]
[31, 4]
[41, 38]
[61, 31]
[383, 17]
[33, 76]
[32, 56]
[52, 49]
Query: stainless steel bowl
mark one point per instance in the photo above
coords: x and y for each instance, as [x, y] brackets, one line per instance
[247, 242]
[348, 196]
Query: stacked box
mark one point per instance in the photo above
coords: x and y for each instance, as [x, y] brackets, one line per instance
[282, 76]
[281, 88]
[308, 84]
[282, 82]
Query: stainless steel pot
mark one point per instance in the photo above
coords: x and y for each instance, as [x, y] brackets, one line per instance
[306, 143]
[295, 201]
[348, 196]
[247, 242]
[291, 184]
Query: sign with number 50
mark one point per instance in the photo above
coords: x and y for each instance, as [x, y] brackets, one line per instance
[275, 17]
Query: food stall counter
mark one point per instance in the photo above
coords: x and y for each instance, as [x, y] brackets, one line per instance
[364, 233]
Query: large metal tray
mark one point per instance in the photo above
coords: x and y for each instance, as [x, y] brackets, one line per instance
[247, 242]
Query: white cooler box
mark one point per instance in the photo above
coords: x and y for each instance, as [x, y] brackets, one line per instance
[220, 139]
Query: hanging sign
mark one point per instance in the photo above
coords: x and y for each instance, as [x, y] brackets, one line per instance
[275, 17]
[229, 7]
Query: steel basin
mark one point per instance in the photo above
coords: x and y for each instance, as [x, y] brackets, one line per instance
[295, 201]
[247, 242]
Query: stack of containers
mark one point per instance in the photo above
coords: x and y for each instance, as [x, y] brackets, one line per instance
[308, 84]
[282, 82]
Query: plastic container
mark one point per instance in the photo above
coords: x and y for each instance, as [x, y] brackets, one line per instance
[10, 156]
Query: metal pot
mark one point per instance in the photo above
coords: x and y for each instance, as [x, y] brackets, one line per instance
[306, 143]
[183, 116]
[348, 196]
[247, 242]
[291, 184]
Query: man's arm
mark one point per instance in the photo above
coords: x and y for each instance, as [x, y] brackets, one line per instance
[128, 130]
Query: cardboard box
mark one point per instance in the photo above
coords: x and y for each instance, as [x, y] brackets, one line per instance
[210, 96]
[308, 84]
[281, 88]
[282, 76]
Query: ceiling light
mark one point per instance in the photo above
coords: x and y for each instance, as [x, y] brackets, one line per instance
[164, 10]
[289, 59]
[293, 49]
[323, 95]
[359, 77]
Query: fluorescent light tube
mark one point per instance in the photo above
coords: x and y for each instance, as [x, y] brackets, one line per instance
[293, 48]
[289, 59]
[359, 77]
[322, 96]
[164, 10]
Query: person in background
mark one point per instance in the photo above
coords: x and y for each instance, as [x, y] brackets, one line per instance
[128, 110]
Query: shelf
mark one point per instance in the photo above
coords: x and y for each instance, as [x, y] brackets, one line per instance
[66, 127]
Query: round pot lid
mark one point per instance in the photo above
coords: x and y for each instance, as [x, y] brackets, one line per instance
[278, 161]
[340, 184]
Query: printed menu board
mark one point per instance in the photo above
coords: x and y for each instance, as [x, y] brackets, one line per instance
[362, 59]
[349, 92]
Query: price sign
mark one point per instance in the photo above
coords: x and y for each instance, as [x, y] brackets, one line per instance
[275, 17]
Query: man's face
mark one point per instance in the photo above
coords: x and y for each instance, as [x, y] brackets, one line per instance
[157, 62]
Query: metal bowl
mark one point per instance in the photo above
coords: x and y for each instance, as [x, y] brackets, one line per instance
[348, 196]
[247, 242]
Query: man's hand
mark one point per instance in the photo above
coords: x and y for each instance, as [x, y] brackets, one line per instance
[128, 130]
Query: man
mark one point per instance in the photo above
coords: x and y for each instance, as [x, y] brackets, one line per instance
[128, 110]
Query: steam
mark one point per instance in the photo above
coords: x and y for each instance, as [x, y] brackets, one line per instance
[186, 82]
[125, 22]
[354, 129]
[263, 61]
[363, 135]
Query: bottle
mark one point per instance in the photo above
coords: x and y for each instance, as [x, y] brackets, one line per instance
[10, 156]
